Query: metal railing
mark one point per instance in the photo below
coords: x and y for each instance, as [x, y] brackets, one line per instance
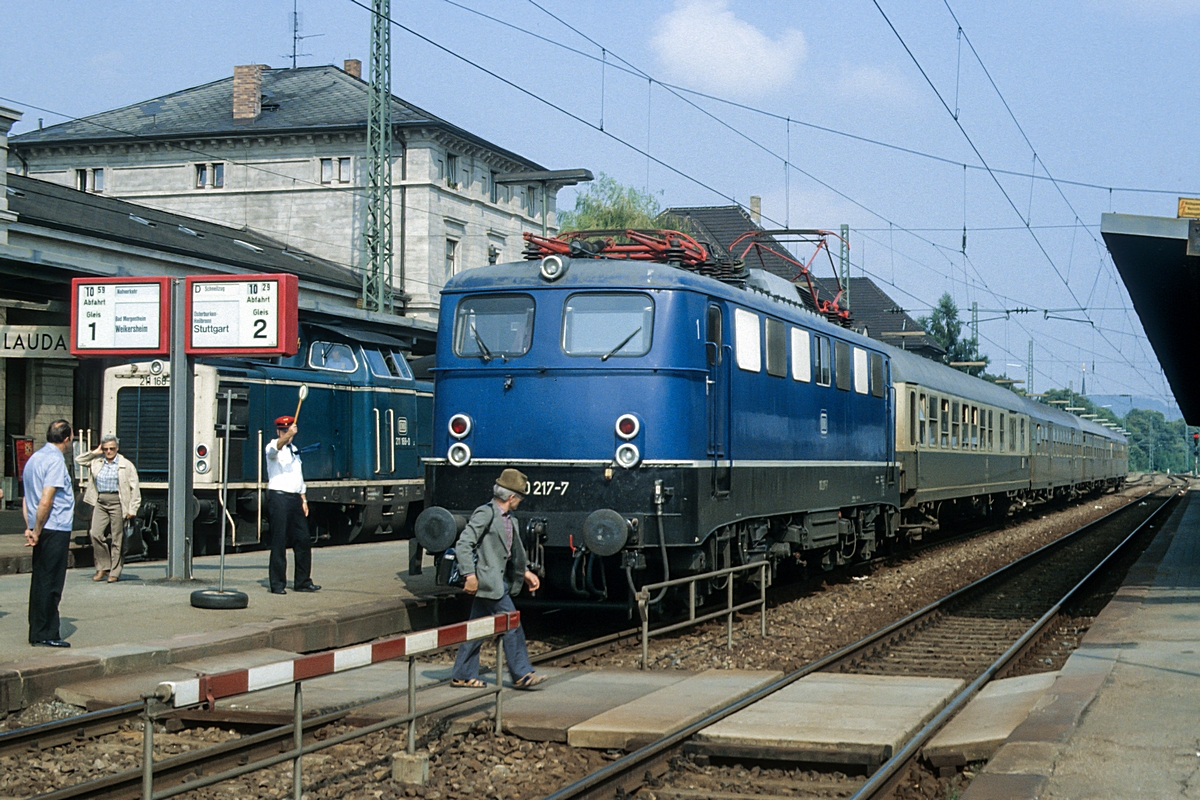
[643, 602]
[153, 703]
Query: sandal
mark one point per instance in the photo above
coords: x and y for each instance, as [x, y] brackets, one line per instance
[468, 683]
[528, 681]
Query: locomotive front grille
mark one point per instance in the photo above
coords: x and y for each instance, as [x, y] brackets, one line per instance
[143, 414]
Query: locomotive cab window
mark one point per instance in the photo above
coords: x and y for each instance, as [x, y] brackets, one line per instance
[841, 369]
[747, 340]
[776, 348]
[493, 326]
[607, 325]
[386, 363]
[715, 336]
[332, 356]
[801, 356]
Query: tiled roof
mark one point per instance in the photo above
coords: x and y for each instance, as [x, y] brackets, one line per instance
[96, 216]
[874, 310]
[306, 99]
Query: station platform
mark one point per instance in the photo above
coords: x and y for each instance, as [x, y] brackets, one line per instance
[1120, 720]
[145, 621]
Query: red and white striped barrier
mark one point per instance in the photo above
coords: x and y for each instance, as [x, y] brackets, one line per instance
[210, 688]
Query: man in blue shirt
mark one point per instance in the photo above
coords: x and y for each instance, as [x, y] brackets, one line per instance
[49, 512]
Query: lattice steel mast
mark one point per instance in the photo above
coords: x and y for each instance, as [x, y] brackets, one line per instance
[377, 230]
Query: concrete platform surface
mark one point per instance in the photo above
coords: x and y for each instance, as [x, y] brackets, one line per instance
[145, 622]
[835, 718]
[1121, 720]
[654, 715]
[977, 732]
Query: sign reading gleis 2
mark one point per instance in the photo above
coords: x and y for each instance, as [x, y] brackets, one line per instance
[242, 314]
[120, 316]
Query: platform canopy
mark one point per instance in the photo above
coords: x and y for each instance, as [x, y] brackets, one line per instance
[1159, 260]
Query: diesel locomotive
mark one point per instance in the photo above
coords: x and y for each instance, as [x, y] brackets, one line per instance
[364, 429]
[676, 414]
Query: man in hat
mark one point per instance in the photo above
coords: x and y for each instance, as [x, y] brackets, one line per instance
[492, 559]
[287, 510]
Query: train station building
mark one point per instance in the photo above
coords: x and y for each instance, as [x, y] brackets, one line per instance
[50, 234]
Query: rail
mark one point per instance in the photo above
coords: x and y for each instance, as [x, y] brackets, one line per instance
[643, 602]
[209, 688]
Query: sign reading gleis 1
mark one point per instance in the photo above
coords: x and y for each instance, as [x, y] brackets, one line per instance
[242, 314]
[120, 316]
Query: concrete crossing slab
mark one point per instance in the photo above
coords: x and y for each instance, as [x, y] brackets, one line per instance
[654, 715]
[831, 718]
[979, 730]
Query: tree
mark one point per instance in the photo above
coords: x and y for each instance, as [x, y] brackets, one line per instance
[944, 326]
[608, 205]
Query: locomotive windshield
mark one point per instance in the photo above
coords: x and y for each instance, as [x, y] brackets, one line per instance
[607, 325]
[493, 326]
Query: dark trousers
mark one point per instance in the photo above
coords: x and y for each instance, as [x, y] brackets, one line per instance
[46, 584]
[289, 527]
[516, 656]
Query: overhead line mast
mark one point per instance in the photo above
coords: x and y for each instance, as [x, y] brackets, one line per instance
[377, 231]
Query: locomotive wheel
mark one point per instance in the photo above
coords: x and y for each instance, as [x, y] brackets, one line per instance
[211, 598]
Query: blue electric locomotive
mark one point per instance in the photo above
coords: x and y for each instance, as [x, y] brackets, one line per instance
[364, 430]
[669, 422]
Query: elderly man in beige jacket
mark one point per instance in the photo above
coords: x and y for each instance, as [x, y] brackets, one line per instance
[115, 497]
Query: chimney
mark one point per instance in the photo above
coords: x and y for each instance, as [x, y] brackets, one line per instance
[8, 117]
[352, 66]
[247, 92]
[755, 209]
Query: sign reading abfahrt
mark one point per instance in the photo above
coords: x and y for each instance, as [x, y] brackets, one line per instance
[120, 317]
[242, 315]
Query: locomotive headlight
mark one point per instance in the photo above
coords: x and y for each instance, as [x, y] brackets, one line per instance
[553, 268]
[628, 455]
[459, 454]
[460, 425]
[156, 367]
[202, 466]
[628, 426]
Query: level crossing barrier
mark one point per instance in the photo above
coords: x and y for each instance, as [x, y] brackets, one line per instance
[208, 689]
[644, 603]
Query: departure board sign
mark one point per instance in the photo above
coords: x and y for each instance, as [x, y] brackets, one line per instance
[242, 315]
[120, 317]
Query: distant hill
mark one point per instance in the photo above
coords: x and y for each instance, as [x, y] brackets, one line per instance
[1121, 405]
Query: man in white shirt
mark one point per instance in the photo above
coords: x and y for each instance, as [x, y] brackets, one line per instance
[287, 510]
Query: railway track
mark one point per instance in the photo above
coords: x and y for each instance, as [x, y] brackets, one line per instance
[177, 770]
[976, 634]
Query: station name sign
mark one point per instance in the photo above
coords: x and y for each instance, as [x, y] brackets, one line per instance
[120, 316]
[242, 315]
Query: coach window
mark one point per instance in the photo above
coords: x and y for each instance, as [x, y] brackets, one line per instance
[921, 418]
[607, 325]
[493, 326]
[715, 336]
[990, 441]
[912, 418]
[841, 367]
[821, 361]
[1023, 450]
[954, 424]
[862, 378]
[946, 423]
[776, 348]
[974, 428]
[1001, 442]
[801, 356]
[877, 377]
[747, 340]
[332, 356]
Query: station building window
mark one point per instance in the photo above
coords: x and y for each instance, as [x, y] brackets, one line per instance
[90, 180]
[335, 170]
[451, 257]
[210, 176]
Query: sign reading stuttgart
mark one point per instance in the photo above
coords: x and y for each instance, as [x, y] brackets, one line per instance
[243, 314]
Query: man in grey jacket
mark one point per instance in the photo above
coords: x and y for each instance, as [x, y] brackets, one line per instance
[492, 559]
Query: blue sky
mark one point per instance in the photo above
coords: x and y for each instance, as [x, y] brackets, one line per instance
[1102, 92]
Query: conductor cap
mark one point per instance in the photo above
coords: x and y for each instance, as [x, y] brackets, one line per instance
[284, 421]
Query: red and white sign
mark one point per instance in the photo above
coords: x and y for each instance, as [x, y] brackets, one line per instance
[242, 315]
[120, 317]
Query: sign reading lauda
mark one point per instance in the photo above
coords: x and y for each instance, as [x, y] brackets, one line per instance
[34, 341]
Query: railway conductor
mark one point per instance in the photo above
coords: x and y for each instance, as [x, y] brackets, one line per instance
[287, 510]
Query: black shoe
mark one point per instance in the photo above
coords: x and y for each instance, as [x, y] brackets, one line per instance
[278, 591]
[51, 643]
[308, 587]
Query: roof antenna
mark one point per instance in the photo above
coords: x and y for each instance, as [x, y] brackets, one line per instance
[297, 24]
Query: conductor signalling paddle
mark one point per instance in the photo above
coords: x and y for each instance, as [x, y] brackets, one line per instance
[300, 402]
